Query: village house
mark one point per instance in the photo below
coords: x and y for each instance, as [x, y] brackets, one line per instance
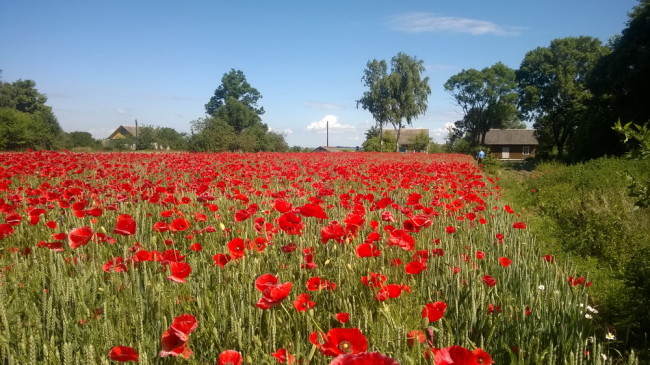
[511, 144]
[407, 137]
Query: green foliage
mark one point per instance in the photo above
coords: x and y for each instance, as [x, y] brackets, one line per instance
[373, 144]
[40, 130]
[20, 131]
[76, 140]
[620, 84]
[398, 97]
[234, 122]
[234, 85]
[585, 212]
[487, 98]
[421, 141]
[552, 88]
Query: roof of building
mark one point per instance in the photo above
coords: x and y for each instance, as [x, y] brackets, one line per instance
[327, 149]
[127, 128]
[511, 137]
[406, 135]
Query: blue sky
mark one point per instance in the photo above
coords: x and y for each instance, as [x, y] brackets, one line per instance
[106, 63]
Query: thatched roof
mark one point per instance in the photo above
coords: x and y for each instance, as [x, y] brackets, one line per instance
[327, 149]
[406, 136]
[497, 137]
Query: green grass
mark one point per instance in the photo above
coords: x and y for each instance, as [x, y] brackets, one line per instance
[585, 215]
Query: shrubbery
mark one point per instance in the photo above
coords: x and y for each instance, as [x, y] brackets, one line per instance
[585, 211]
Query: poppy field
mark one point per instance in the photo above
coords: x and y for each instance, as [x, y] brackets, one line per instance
[349, 258]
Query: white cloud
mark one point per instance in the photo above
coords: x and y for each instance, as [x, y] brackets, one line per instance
[284, 132]
[426, 22]
[322, 106]
[440, 134]
[335, 126]
[122, 111]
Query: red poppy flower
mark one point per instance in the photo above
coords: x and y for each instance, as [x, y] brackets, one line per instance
[221, 259]
[282, 206]
[160, 227]
[180, 271]
[450, 229]
[242, 215]
[317, 283]
[519, 225]
[434, 311]
[236, 248]
[344, 341]
[125, 225]
[196, 247]
[388, 291]
[342, 317]
[291, 223]
[173, 345]
[289, 247]
[458, 355]
[549, 258]
[401, 238]
[274, 295]
[387, 216]
[303, 302]
[489, 281]
[493, 308]
[230, 357]
[283, 356]
[123, 354]
[79, 237]
[115, 264]
[367, 250]
[367, 358]
[312, 210]
[179, 224]
[415, 267]
[333, 231]
[183, 325]
[374, 280]
[265, 281]
[504, 261]
[415, 336]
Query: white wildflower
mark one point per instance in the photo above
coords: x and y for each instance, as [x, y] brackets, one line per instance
[592, 309]
[588, 316]
[541, 287]
[610, 336]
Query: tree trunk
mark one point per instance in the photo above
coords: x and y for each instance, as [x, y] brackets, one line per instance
[399, 130]
[381, 137]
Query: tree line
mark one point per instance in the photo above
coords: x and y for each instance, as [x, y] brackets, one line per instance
[232, 123]
[573, 92]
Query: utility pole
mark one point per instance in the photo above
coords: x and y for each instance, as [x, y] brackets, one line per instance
[327, 124]
[136, 134]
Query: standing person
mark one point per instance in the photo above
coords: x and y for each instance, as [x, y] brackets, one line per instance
[480, 156]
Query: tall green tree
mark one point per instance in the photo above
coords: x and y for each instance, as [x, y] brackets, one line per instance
[487, 98]
[399, 97]
[378, 98]
[552, 89]
[22, 96]
[619, 83]
[408, 89]
[234, 85]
